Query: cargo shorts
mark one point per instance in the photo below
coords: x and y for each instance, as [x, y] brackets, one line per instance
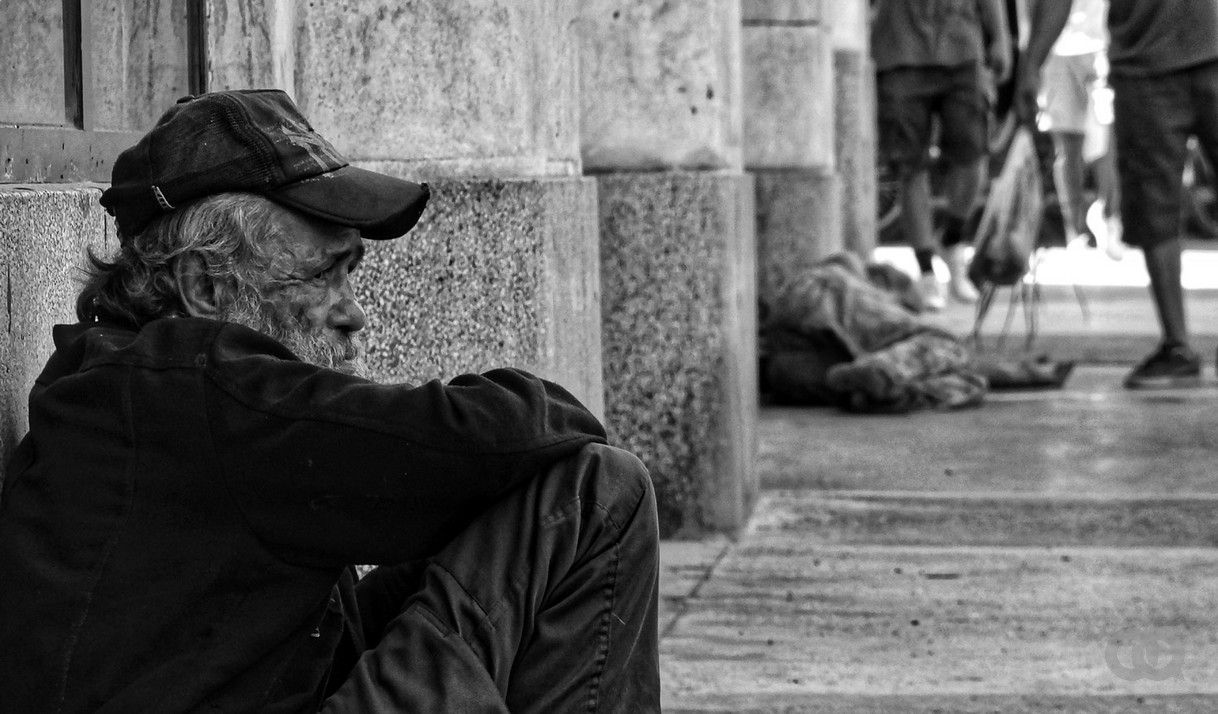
[909, 99]
[1154, 118]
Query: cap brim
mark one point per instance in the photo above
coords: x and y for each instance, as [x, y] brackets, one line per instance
[380, 206]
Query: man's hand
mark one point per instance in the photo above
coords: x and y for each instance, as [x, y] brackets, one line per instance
[998, 57]
[997, 33]
[1048, 17]
[1027, 89]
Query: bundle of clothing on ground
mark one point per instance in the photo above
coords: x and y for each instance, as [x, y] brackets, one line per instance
[841, 332]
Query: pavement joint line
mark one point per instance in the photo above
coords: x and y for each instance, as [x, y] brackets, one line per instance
[1075, 497]
[683, 606]
[1207, 389]
[822, 547]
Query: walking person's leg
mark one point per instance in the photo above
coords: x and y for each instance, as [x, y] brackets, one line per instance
[1065, 101]
[965, 146]
[917, 220]
[1069, 172]
[1104, 216]
[547, 602]
[904, 97]
[1205, 101]
[1153, 119]
[964, 182]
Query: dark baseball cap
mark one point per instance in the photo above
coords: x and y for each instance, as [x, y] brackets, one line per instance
[256, 141]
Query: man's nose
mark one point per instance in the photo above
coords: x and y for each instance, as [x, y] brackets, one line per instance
[347, 314]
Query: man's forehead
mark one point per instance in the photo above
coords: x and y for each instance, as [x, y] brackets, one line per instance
[350, 242]
[308, 237]
[315, 248]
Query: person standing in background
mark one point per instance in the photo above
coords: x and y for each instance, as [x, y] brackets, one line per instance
[1074, 76]
[938, 59]
[1164, 72]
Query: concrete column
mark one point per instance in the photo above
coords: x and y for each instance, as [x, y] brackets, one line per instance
[856, 124]
[479, 98]
[661, 131]
[789, 136]
[45, 230]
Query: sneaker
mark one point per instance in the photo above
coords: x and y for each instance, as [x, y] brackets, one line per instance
[1168, 367]
[932, 292]
[962, 289]
[1107, 230]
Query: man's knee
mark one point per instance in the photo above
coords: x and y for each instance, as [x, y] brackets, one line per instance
[624, 469]
[1150, 210]
[618, 482]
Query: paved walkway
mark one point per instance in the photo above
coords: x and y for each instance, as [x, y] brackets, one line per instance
[1029, 555]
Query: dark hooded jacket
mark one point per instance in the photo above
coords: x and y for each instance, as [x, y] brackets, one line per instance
[177, 527]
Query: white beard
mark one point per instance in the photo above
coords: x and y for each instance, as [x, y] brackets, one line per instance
[342, 352]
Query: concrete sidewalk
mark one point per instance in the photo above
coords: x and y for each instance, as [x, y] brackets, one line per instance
[1051, 550]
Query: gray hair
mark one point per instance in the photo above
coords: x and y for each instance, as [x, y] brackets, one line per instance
[233, 236]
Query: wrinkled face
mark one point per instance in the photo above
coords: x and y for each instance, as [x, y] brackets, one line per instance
[306, 301]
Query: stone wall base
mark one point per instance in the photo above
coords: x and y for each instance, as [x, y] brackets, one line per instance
[679, 333]
[45, 230]
[798, 222]
[498, 273]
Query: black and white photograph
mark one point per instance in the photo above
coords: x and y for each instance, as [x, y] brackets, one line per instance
[547, 356]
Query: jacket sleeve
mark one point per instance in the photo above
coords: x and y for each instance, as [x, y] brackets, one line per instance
[330, 469]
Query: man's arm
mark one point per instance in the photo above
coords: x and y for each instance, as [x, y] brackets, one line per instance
[330, 469]
[1048, 17]
[997, 37]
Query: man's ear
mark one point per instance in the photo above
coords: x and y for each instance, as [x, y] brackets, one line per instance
[196, 290]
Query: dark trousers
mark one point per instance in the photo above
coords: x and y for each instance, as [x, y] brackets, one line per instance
[546, 603]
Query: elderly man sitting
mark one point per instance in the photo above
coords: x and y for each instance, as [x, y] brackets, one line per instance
[205, 462]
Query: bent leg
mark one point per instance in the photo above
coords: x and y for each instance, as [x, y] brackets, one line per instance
[547, 602]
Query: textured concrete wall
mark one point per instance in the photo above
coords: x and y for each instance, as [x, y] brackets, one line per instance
[463, 88]
[496, 273]
[799, 222]
[797, 11]
[789, 94]
[855, 123]
[455, 88]
[856, 137]
[848, 20]
[679, 333]
[251, 44]
[44, 232]
[791, 136]
[660, 84]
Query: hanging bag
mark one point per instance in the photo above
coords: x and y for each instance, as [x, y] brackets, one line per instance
[1010, 221]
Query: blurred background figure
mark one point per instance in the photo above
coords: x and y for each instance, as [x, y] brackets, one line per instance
[938, 61]
[1076, 111]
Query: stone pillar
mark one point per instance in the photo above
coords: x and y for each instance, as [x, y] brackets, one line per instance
[789, 136]
[479, 98]
[661, 131]
[44, 233]
[856, 123]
